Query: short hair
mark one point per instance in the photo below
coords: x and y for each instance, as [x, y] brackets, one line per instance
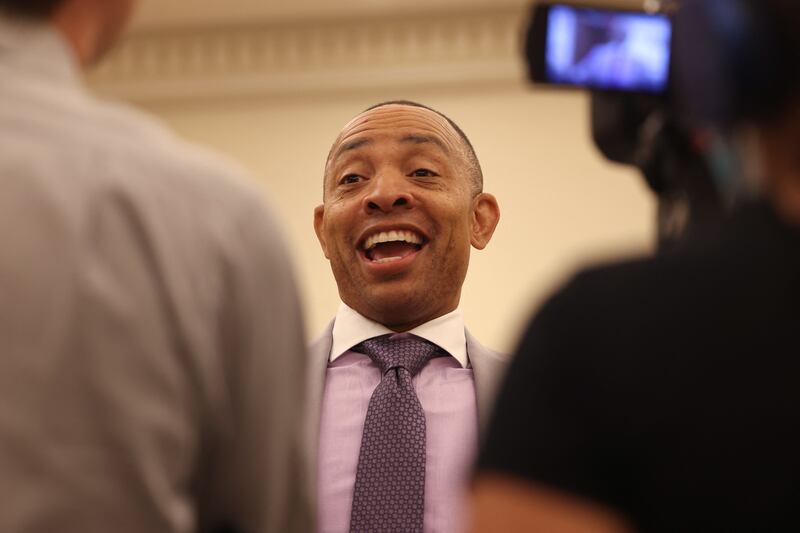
[37, 9]
[474, 166]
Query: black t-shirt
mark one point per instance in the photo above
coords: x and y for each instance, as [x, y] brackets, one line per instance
[669, 388]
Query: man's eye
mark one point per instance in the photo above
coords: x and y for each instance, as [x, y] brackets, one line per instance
[423, 172]
[350, 178]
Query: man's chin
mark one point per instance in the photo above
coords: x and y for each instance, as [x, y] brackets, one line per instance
[396, 306]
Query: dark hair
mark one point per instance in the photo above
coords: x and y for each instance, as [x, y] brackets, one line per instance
[39, 9]
[472, 157]
[736, 60]
[476, 174]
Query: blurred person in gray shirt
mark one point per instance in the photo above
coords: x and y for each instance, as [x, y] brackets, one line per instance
[151, 346]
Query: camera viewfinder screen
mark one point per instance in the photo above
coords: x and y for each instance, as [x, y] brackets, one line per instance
[607, 49]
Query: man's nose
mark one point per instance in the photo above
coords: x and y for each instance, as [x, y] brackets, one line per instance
[388, 192]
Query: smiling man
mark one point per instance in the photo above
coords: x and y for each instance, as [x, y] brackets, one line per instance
[402, 387]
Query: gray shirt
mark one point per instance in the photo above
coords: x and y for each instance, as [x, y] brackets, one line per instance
[151, 349]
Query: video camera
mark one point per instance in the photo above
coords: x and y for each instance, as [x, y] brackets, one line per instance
[624, 59]
[600, 49]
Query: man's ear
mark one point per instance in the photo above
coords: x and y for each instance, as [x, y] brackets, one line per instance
[319, 222]
[485, 216]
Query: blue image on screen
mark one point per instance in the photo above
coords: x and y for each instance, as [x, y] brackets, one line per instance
[608, 50]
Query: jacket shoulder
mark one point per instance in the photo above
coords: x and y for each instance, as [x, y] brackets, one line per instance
[475, 348]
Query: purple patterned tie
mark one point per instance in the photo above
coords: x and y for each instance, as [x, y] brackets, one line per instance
[389, 492]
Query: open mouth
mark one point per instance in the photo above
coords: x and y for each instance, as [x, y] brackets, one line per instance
[390, 246]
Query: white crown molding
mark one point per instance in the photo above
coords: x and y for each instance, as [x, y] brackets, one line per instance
[404, 51]
[151, 14]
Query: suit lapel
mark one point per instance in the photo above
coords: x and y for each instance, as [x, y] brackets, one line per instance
[319, 352]
[489, 368]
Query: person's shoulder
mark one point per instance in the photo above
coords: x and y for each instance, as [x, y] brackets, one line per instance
[185, 192]
[717, 260]
[156, 164]
[617, 278]
[111, 147]
[323, 341]
[475, 347]
[145, 137]
[605, 278]
[621, 304]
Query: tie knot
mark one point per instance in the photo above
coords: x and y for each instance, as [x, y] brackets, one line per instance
[393, 351]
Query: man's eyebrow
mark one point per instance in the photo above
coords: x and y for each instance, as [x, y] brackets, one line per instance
[348, 146]
[422, 139]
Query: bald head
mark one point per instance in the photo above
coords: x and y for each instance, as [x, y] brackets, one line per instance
[470, 160]
[402, 171]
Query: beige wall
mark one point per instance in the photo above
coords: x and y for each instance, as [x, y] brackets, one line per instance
[271, 86]
[561, 203]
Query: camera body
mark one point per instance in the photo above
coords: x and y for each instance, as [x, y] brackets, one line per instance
[714, 60]
[661, 83]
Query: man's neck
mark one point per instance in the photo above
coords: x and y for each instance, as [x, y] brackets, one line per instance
[405, 324]
[81, 34]
[447, 331]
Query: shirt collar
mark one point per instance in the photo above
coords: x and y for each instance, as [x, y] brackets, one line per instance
[447, 332]
[38, 48]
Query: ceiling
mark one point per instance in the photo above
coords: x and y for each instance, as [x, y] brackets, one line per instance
[183, 13]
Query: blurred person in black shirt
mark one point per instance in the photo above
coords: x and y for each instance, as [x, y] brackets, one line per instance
[662, 394]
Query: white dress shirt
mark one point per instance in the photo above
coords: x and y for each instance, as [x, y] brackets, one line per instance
[447, 332]
[446, 390]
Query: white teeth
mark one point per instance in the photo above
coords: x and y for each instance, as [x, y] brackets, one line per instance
[392, 236]
[387, 259]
